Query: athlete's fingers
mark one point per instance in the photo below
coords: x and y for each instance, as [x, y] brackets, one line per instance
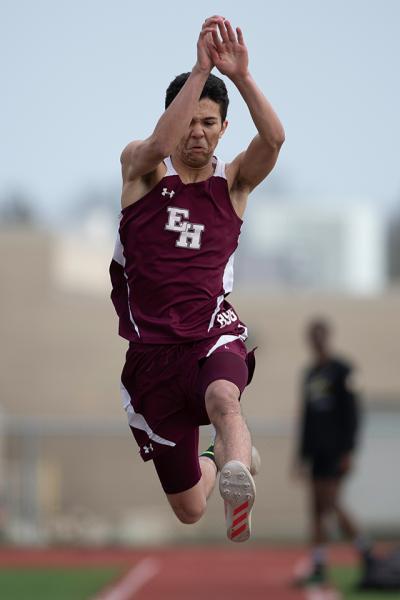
[209, 24]
[222, 31]
[240, 36]
[217, 41]
[210, 43]
[231, 33]
[206, 31]
[212, 20]
[213, 51]
[213, 17]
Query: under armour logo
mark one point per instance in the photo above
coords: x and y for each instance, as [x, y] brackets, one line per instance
[165, 192]
[148, 449]
[190, 233]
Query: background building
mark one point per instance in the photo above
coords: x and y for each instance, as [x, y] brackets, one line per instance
[70, 468]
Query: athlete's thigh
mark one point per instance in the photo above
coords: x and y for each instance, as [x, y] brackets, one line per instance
[228, 365]
[154, 399]
[178, 468]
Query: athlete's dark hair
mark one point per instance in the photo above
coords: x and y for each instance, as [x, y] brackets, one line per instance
[319, 324]
[214, 88]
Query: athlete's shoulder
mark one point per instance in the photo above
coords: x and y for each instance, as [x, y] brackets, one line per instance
[141, 160]
[342, 365]
[136, 186]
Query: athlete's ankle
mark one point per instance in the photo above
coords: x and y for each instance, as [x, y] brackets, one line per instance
[210, 454]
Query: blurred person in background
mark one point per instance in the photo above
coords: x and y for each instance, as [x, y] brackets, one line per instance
[182, 208]
[328, 433]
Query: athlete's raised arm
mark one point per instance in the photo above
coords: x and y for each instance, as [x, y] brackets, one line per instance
[142, 157]
[229, 54]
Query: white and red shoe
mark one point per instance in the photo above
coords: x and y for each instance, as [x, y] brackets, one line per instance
[238, 490]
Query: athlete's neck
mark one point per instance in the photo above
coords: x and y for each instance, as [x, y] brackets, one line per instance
[192, 174]
[322, 357]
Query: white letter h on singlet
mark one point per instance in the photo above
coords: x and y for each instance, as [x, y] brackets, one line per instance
[190, 236]
[190, 233]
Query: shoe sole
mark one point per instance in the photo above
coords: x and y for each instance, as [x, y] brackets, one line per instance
[237, 488]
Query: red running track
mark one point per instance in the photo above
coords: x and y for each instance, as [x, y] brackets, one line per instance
[243, 572]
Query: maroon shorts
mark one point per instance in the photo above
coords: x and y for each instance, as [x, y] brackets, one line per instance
[163, 392]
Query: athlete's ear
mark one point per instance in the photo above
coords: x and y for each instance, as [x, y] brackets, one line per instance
[223, 129]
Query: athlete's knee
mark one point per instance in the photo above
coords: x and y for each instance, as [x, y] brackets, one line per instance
[189, 514]
[222, 400]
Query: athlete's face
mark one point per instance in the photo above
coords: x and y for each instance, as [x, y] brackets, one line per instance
[206, 129]
[318, 337]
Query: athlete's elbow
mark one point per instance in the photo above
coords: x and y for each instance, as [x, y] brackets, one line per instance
[277, 140]
[281, 139]
[160, 147]
[271, 147]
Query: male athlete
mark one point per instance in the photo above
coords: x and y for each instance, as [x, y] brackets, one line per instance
[328, 435]
[172, 269]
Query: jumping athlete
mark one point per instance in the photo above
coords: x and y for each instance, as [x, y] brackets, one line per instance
[328, 437]
[182, 210]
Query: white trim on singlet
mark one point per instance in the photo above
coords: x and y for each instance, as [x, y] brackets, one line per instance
[227, 281]
[220, 299]
[227, 286]
[129, 306]
[138, 421]
[170, 167]
[119, 257]
[219, 170]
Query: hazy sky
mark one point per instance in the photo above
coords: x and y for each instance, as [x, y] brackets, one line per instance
[82, 78]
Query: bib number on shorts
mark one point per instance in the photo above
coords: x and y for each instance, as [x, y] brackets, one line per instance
[227, 317]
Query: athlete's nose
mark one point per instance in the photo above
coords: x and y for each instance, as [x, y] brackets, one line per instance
[197, 131]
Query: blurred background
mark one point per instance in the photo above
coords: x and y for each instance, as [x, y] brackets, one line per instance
[321, 237]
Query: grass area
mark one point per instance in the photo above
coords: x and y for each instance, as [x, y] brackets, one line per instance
[54, 584]
[346, 579]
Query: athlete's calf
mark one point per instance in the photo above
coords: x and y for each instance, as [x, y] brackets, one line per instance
[232, 441]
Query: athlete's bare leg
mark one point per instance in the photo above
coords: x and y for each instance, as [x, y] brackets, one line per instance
[232, 450]
[327, 500]
[346, 522]
[232, 440]
[190, 505]
[323, 499]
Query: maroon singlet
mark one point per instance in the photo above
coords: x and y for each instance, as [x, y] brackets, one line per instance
[173, 262]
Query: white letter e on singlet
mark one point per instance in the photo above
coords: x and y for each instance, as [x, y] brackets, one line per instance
[176, 216]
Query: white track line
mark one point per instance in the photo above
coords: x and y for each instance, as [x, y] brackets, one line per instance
[135, 579]
[318, 593]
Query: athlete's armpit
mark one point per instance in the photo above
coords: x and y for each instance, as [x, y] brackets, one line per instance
[134, 189]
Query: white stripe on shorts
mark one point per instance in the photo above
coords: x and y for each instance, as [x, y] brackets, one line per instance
[224, 339]
[138, 421]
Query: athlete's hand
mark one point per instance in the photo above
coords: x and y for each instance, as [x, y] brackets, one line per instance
[204, 60]
[228, 51]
